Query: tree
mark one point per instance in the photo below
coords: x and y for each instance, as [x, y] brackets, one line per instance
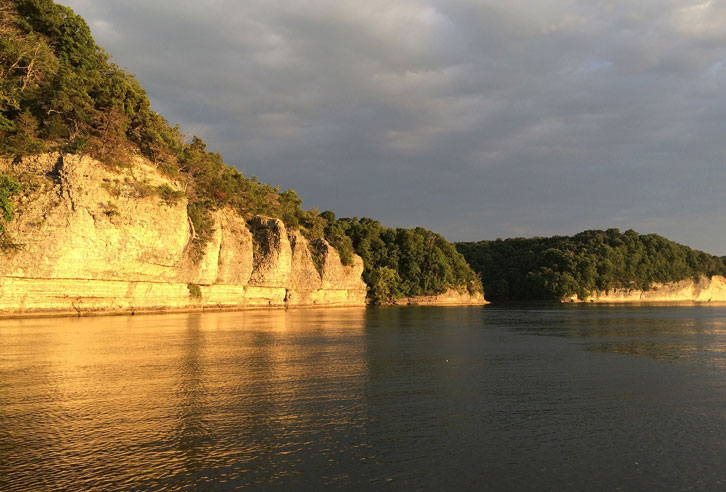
[383, 285]
[8, 187]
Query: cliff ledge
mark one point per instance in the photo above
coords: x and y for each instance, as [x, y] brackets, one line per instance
[90, 239]
[702, 290]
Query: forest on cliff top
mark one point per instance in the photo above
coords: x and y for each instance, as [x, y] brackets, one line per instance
[60, 92]
[553, 268]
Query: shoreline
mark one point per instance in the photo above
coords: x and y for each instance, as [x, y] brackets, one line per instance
[22, 298]
[160, 311]
[48, 314]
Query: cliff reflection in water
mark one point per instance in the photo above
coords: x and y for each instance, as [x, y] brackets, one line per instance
[126, 402]
[366, 399]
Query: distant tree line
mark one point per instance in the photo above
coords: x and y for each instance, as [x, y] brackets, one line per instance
[546, 269]
[59, 91]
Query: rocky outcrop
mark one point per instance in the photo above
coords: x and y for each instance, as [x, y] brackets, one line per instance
[89, 239]
[702, 290]
[272, 257]
[449, 298]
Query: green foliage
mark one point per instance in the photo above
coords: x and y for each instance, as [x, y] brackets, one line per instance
[202, 222]
[8, 187]
[169, 194]
[406, 262]
[547, 269]
[24, 139]
[290, 208]
[384, 285]
[195, 291]
[316, 255]
[335, 234]
[312, 224]
[59, 91]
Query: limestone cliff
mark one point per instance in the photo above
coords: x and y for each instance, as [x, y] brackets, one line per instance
[93, 239]
[701, 290]
[449, 298]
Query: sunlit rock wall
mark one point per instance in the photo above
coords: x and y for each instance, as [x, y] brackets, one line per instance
[450, 297]
[702, 290]
[92, 239]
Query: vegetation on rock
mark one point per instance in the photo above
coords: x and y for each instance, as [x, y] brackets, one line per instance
[8, 187]
[195, 291]
[60, 92]
[548, 269]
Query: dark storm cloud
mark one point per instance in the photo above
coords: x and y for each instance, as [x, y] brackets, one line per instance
[477, 119]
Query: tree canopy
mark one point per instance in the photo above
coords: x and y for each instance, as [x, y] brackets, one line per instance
[546, 269]
[406, 262]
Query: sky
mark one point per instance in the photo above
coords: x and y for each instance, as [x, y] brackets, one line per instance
[476, 119]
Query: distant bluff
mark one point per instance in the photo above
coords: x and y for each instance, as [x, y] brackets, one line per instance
[596, 265]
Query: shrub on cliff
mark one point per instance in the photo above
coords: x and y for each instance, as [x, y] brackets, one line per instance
[335, 234]
[8, 187]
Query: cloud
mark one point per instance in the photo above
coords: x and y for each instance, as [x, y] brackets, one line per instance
[703, 20]
[474, 118]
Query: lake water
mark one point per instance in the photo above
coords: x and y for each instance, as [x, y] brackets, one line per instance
[572, 397]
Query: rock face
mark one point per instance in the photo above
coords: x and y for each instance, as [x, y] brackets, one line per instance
[90, 239]
[703, 290]
[451, 298]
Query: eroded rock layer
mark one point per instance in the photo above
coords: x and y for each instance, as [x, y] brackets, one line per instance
[701, 290]
[449, 298]
[86, 238]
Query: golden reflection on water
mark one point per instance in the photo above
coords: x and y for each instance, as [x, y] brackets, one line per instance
[428, 398]
[98, 393]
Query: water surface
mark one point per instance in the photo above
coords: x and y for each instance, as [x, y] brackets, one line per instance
[474, 398]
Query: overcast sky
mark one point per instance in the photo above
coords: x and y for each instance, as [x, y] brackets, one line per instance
[477, 119]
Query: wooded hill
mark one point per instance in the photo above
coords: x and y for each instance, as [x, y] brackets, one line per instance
[552, 268]
[59, 91]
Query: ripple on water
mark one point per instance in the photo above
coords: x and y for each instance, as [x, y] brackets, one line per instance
[553, 398]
